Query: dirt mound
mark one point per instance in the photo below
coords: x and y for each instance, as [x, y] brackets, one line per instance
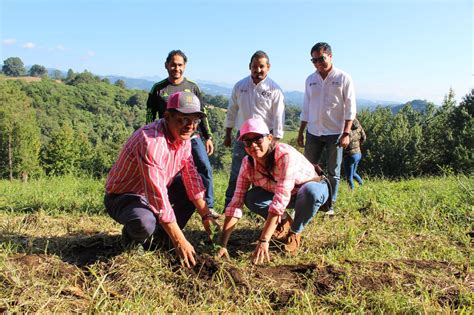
[287, 281]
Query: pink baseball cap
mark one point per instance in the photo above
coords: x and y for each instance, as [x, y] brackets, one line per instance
[185, 102]
[253, 125]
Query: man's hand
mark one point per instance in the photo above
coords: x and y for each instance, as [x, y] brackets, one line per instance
[300, 139]
[261, 253]
[227, 141]
[186, 253]
[344, 140]
[209, 147]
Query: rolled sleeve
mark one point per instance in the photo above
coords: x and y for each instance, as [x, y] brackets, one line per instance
[304, 116]
[349, 100]
[232, 110]
[278, 114]
[234, 209]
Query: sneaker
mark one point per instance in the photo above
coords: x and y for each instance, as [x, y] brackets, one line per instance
[292, 243]
[330, 212]
[282, 228]
[214, 214]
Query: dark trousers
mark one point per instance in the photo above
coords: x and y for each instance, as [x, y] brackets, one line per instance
[133, 211]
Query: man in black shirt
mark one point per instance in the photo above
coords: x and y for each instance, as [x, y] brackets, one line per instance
[175, 64]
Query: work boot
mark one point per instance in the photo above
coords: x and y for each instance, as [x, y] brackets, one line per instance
[282, 228]
[292, 243]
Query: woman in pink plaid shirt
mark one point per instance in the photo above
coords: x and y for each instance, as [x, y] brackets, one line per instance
[281, 178]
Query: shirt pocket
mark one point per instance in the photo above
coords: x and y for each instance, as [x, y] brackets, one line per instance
[333, 94]
[263, 99]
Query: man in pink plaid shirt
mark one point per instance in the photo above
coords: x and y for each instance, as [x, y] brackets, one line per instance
[153, 188]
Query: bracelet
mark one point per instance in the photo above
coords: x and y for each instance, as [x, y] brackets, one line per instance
[206, 216]
[263, 241]
[345, 134]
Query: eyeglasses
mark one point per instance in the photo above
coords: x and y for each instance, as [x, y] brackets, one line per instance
[258, 140]
[186, 120]
[319, 59]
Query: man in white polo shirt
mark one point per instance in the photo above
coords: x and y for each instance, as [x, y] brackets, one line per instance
[328, 111]
[255, 96]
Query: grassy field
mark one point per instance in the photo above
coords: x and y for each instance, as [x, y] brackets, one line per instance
[394, 246]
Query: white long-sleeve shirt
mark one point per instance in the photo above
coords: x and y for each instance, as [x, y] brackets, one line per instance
[263, 100]
[328, 103]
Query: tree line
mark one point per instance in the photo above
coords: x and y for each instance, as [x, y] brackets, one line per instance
[77, 125]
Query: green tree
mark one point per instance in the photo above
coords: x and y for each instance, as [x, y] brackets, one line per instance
[120, 83]
[13, 67]
[38, 71]
[61, 155]
[84, 77]
[138, 99]
[70, 76]
[19, 136]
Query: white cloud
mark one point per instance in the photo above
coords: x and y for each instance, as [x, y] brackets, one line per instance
[91, 53]
[29, 45]
[60, 47]
[9, 41]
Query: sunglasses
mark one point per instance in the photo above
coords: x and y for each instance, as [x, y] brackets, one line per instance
[319, 59]
[258, 140]
[186, 120]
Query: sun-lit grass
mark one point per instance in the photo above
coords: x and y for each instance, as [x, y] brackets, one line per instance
[393, 247]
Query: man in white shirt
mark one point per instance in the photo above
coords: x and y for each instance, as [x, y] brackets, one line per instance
[328, 111]
[255, 96]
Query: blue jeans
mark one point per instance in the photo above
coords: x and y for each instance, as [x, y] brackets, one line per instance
[201, 161]
[350, 168]
[133, 211]
[309, 198]
[314, 148]
[238, 154]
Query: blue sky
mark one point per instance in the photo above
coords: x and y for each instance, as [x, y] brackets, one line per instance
[394, 50]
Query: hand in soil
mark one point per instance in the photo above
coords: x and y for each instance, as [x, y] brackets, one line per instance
[186, 253]
[212, 228]
[223, 253]
[261, 253]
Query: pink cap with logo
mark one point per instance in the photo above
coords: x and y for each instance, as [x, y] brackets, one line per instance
[185, 102]
[253, 125]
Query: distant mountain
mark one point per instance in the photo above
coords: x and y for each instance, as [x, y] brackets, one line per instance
[214, 89]
[418, 105]
[294, 98]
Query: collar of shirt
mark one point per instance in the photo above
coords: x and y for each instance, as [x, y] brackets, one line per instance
[263, 82]
[330, 73]
[162, 127]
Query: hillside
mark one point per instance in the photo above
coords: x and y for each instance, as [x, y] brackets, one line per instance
[393, 247]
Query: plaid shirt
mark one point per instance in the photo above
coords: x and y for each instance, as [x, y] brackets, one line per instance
[147, 165]
[290, 172]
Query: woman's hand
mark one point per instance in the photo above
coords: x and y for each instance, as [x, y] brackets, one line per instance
[261, 253]
[223, 253]
[212, 227]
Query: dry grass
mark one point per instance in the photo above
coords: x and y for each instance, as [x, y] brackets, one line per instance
[393, 247]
